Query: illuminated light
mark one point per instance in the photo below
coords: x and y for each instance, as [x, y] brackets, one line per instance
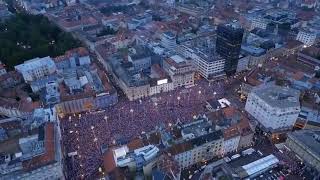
[162, 81]
[92, 127]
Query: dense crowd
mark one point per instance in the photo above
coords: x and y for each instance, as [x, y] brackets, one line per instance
[290, 160]
[84, 134]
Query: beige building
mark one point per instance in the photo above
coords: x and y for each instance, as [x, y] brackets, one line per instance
[197, 150]
[180, 70]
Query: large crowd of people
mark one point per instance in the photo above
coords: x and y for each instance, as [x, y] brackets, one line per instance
[290, 160]
[84, 134]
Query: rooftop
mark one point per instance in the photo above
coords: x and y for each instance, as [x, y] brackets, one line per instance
[277, 96]
[309, 139]
[197, 128]
[177, 62]
[34, 63]
[124, 155]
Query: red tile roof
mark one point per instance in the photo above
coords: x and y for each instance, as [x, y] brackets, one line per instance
[108, 161]
[81, 51]
[180, 148]
[135, 144]
[229, 112]
[231, 132]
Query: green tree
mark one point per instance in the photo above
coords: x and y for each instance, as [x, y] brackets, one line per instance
[26, 36]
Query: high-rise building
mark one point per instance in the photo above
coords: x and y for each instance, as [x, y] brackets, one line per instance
[228, 45]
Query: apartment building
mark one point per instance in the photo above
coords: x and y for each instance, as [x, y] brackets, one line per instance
[36, 68]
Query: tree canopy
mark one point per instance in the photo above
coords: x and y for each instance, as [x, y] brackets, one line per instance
[24, 37]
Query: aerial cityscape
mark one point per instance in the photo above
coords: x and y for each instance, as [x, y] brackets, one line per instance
[160, 89]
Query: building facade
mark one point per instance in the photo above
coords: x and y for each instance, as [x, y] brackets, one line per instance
[306, 37]
[168, 40]
[37, 68]
[198, 150]
[259, 23]
[274, 107]
[180, 71]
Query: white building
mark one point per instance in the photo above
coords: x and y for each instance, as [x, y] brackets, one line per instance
[259, 23]
[168, 40]
[36, 68]
[209, 67]
[275, 107]
[306, 37]
[231, 140]
[123, 157]
[159, 82]
[137, 159]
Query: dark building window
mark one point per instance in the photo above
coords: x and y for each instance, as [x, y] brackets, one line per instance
[228, 45]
